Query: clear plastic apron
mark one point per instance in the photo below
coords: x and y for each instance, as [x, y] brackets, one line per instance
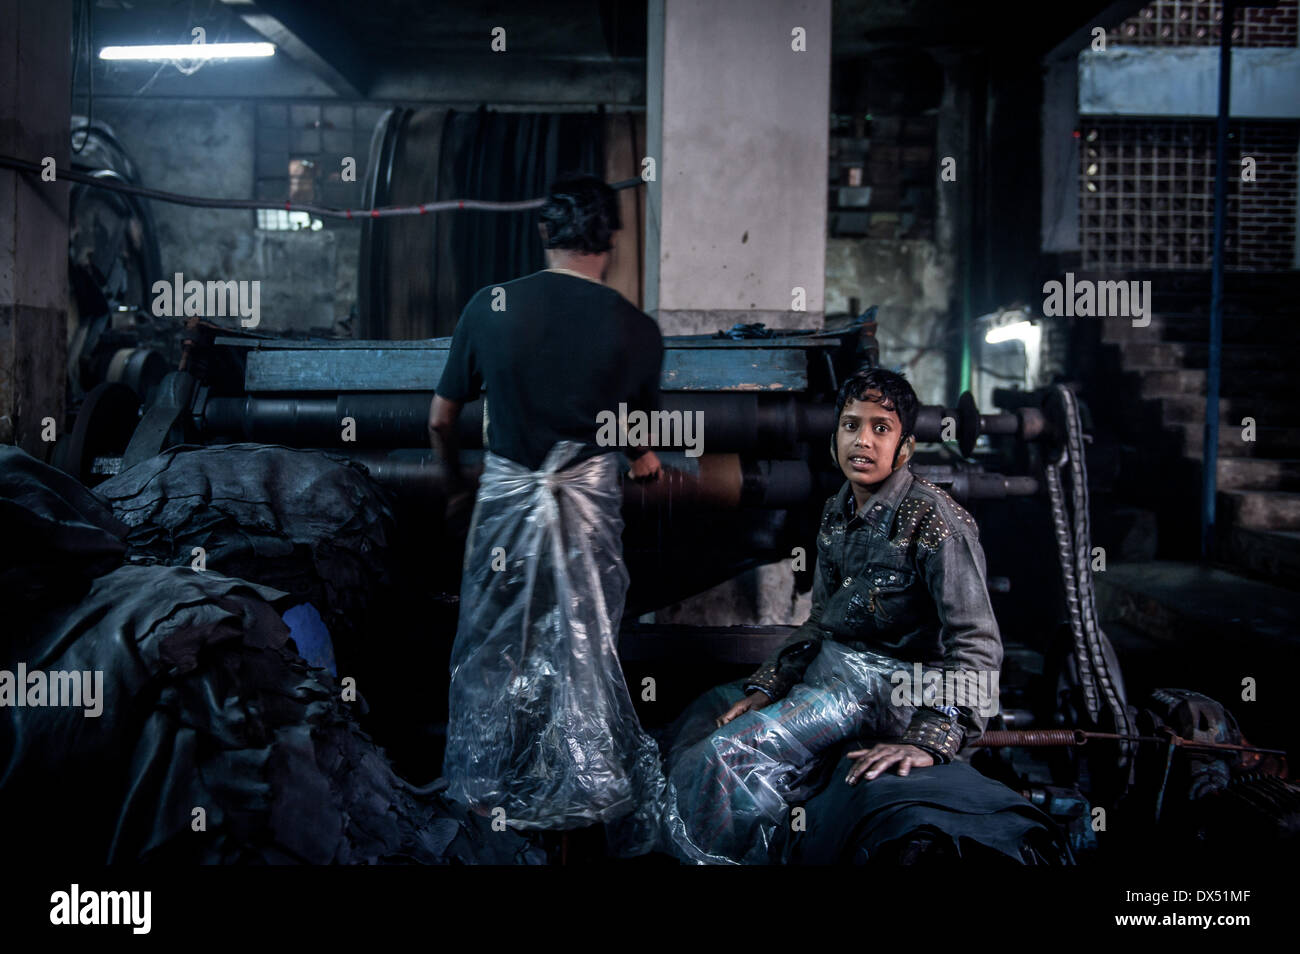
[730, 789]
[541, 721]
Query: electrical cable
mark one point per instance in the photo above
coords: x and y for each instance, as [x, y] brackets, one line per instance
[447, 205]
[84, 39]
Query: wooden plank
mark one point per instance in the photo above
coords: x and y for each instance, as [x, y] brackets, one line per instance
[671, 342]
[748, 369]
[341, 369]
[330, 344]
[706, 341]
[418, 369]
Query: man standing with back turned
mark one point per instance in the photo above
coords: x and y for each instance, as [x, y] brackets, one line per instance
[541, 731]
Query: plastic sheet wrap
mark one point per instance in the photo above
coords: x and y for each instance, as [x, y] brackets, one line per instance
[198, 703]
[202, 706]
[943, 813]
[55, 535]
[541, 721]
[306, 522]
[730, 789]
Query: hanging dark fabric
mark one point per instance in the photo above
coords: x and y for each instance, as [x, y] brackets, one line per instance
[503, 156]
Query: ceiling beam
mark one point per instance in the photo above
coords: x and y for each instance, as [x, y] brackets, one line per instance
[1109, 17]
[306, 42]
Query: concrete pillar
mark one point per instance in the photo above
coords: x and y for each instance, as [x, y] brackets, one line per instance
[1060, 206]
[738, 124]
[35, 82]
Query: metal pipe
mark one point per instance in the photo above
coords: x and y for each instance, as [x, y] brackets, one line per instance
[966, 483]
[709, 482]
[1001, 738]
[1210, 457]
[772, 426]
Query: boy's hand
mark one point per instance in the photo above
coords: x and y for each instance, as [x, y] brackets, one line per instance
[755, 700]
[880, 757]
[646, 467]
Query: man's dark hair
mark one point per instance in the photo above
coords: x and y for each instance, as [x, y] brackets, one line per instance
[896, 394]
[581, 213]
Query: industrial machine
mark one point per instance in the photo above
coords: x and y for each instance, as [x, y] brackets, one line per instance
[766, 405]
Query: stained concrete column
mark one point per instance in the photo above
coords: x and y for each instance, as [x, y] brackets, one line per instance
[738, 124]
[35, 82]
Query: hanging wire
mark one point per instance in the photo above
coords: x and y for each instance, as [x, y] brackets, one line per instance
[83, 38]
[204, 202]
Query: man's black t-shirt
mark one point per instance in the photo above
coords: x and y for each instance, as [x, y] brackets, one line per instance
[562, 350]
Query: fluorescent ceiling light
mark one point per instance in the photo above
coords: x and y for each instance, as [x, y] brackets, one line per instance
[187, 51]
[1016, 331]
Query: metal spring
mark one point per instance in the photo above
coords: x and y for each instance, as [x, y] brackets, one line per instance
[1003, 737]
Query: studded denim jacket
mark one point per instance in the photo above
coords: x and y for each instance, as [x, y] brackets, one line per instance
[905, 578]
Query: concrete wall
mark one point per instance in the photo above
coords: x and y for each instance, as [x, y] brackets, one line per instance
[739, 209]
[1184, 81]
[763, 596]
[911, 282]
[207, 148]
[1059, 227]
[35, 78]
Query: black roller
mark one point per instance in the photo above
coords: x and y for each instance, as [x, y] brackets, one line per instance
[771, 426]
[711, 482]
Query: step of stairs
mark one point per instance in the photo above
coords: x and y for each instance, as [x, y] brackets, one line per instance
[1269, 443]
[1155, 354]
[1183, 408]
[1259, 509]
[1237, 329]
[1274, 554]
[1161, 382]
[1258, 502]
[1180, 382]
[1258, 473]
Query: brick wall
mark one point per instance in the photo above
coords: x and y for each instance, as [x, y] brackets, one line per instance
[300, 149]
[1196, 23]
[1056, 347]
[882, 176]
[1266, 225]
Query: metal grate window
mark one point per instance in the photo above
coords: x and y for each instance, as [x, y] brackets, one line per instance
[300, 153]
[1146, 195]
[1196, 23]
[282, 221]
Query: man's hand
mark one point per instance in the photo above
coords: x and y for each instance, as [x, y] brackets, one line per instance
[755, 700]
[646, 467]
[443, 439]
[459, 511]
[880, 757]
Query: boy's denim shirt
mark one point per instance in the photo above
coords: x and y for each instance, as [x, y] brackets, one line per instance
[906, 579]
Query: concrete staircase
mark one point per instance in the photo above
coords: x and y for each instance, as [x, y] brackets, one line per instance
[1162, 374]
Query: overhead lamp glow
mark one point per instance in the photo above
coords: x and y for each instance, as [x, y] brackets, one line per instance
[1015, 331]
[188, 51]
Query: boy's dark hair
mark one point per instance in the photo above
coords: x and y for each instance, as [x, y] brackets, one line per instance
[581, 213]
[896, 394]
